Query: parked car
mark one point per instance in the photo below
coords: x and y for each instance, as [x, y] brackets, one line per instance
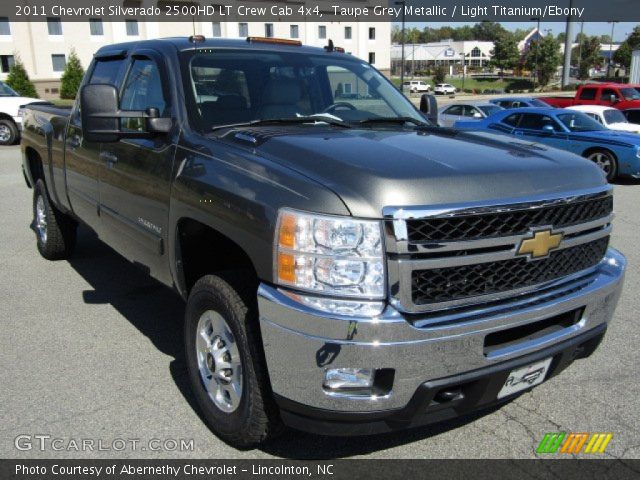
[616, 153]
[519, 102]
[612, 118]
[11, 113]
[416, 86]
[615, 95]
[450, 114]
[347, 267]
[632, 115]
[444, 89]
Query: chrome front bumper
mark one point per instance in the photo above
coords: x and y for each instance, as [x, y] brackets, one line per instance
[301, 343]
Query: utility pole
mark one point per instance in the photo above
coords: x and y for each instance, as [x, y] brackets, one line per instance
[402, 2]
[535, 68]
[580, 47]
[566, 68]
[609, 73]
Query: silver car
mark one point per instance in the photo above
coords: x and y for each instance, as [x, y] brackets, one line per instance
[450, 114]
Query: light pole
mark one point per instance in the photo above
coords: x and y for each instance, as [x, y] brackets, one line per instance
[580, 47]
[613, 24]
[535, 68]
[402, 2]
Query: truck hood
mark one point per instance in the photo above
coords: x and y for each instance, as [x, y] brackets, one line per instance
[372, 169]
[625, 127]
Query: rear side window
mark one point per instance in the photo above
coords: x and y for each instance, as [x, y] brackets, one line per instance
[107, 71]
[588, 94]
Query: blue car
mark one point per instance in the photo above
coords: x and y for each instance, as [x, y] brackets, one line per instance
[519, 102]
[617, 153]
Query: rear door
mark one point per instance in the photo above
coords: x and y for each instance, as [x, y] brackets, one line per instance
[82, 158]
[136, 174]
[587, 96]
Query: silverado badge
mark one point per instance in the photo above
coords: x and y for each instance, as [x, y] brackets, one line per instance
[539, 244]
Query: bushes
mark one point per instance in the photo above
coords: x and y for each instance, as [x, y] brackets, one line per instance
[19, 80]
[72, 77]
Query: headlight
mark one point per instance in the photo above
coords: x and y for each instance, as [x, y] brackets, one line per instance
[337, 256]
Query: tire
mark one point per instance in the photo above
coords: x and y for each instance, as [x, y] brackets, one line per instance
[55, 231]
[237, 405]
[8, 132]
[606, 161]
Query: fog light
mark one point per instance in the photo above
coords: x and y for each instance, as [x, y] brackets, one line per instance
[348, 379]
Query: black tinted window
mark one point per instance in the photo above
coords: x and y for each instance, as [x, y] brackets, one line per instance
[534, 121]
[454, 110]
[106, 71]
[588, 94]
[512, 120]
[633, 116]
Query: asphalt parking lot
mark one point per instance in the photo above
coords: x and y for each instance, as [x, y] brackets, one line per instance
[91, 349]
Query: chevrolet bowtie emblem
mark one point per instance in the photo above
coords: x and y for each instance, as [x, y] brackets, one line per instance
[539, 244]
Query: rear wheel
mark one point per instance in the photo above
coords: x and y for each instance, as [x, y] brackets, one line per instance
[55, 231]
[226, 362]
[606, 161]
[8, 132]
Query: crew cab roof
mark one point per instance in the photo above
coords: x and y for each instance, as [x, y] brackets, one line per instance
[181, 44]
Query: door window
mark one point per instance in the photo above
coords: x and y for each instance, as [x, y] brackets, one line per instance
[142, 90]
[454, 110]
[607, 93]
[534, 121]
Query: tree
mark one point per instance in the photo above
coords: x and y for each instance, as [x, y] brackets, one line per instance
[623, 54]
[545, 62]
[487, 31]
[72, 76]
[505, 53]
[439, 74]
[19, 80]
[587, 55]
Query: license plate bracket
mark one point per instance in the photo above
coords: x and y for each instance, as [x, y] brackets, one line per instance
[525, 377]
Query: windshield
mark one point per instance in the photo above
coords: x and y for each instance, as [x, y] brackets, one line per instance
[7, 91]
[490, 109]
[579, 122]
[630, 93]
[227, 87]
[614, 116]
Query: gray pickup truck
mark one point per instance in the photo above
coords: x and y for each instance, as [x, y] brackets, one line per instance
[347, 266]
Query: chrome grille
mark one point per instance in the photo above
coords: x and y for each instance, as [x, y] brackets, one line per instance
[487, 225]
[461, 256]
[465, 281]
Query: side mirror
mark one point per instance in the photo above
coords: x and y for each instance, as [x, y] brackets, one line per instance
[613, 99]
[477, 115]
[548, 129]
[429, 107]
[101, 115]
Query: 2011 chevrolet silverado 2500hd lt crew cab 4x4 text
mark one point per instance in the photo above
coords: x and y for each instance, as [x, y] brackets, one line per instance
[347, 266]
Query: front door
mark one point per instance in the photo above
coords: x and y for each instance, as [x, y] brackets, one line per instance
[82, 158]
[135, 180]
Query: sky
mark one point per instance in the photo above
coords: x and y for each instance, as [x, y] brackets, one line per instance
[621, 30]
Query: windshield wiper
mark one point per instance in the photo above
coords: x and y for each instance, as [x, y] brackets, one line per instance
[287, 121]
[393, 120]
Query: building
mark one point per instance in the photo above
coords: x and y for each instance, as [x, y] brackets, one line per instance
[44, 46]
[419, 57]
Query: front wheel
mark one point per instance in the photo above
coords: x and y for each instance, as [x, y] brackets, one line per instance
[55, 231]
[225, 359]
[606, 161]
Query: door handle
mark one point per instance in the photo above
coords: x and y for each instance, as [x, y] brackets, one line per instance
[109, 157]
